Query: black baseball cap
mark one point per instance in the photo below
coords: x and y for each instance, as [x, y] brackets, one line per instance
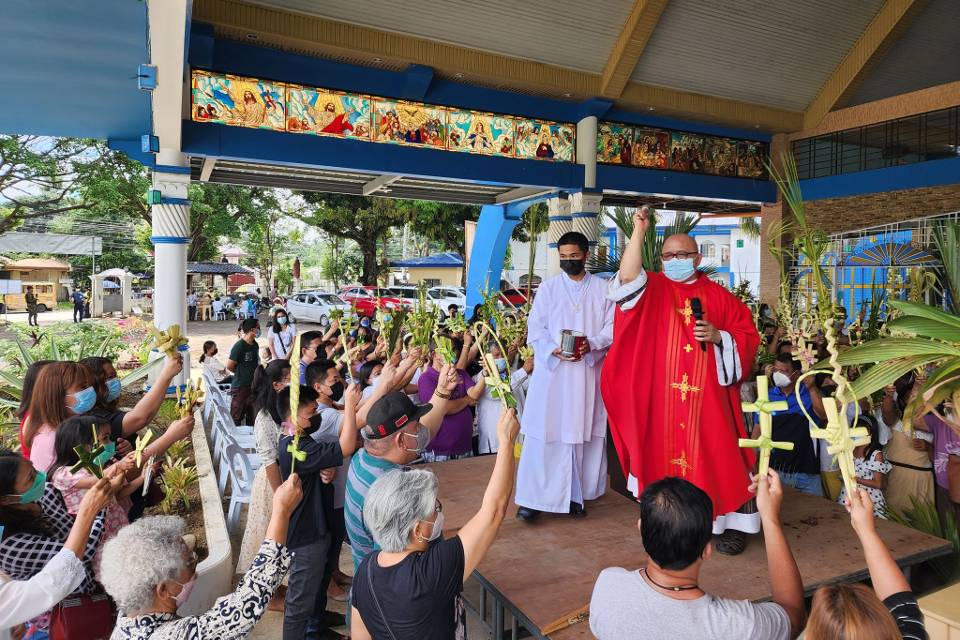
[391, 413]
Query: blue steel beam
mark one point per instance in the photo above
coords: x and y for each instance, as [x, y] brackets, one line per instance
[909, 176]
[494, 229]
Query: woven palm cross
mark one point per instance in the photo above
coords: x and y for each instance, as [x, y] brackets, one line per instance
[294, 447]
[499, 388]
[765, 408]
[86, 460]
[141, 444]
[841, 441]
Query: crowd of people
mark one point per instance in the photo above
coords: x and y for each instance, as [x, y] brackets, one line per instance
[341, 470]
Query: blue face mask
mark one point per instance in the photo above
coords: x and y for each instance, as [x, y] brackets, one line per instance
[282, 320]
[35, 492]
[113, 389]
[678, 270]
[83, 400]
[109, 450]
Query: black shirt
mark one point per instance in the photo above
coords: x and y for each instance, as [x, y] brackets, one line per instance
[419, 596]
[795, 428]
[905, 610]
[310, 520]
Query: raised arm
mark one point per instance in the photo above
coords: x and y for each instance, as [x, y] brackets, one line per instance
[479, 533]
[631, 263]
[785, 582]
[149, 405]
[885, 575]
[446, 383]
[178, 430]
[348, 430]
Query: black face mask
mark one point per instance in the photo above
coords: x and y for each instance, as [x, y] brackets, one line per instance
[336, 391]
[572, 267]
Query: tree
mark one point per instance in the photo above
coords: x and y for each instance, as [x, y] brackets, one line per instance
[38, 175]
[441, 222]
[338, 263]
[265, 241]
[361, 219]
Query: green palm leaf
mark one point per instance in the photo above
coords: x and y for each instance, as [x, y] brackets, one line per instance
[886, 372]
[888, 348]
[926, 327]
[54, 349]
[139, 373]
[926, 311]
[25, 355]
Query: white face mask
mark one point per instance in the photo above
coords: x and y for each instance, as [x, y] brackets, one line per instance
[781, 379]
[437, 530]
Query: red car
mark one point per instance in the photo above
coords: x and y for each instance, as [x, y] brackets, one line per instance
[365, 299]
[513, 297]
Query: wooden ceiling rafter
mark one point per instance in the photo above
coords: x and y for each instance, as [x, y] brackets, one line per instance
[629, 46]
[889, 24]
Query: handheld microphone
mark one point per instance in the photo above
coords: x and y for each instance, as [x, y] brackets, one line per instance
[697, 309]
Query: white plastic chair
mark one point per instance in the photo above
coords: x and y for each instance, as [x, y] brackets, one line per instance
[241, 482]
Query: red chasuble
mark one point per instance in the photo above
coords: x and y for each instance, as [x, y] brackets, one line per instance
[668, 413]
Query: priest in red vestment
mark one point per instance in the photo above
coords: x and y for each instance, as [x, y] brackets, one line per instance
[671, 383]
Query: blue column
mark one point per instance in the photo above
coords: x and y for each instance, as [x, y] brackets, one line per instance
[494, 229]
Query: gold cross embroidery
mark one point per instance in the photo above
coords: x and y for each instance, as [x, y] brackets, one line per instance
[683, 425]
[682, 463]
[685, 387]
[688, 348]
[686, 312]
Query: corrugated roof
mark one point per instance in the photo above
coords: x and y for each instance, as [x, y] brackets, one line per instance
[216, 268]
[445, 259]
[38, 263]
[566, 33]
[777, 53]
[925, 55]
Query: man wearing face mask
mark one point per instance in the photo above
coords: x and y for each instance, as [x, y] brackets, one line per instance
[243, 361]
[672, 381]
[799, 468]
[397, 433]
[564, 424]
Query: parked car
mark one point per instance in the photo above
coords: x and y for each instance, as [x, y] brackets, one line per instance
[368, 299]
[315, 306]
[407, 294]
[444, 296]
[513, 297]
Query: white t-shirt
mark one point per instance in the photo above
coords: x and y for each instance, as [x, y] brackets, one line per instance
[282, 342]
[625, 606]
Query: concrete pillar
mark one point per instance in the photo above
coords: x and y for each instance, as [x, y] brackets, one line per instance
[171, 234]
[126, 291]
[587, 150]
[585, 213]
[168, 22]
[96, 296]
[771, 219]
[558, 212]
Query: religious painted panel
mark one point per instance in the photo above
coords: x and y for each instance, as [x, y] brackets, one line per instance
[476, 132]
[541, 140]
[237, 101]
[750, 157]
[686, 152]
[409, 123]
[614, 143]
[651, 148]
[720, 156]
[328, 113]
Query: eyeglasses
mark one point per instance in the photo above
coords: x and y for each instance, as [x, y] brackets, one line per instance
[439, 506]
[682, 255]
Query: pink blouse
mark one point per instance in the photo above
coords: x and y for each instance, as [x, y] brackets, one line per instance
[42, 452]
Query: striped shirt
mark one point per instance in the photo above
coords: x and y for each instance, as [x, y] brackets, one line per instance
[365, 468]
[905, 610]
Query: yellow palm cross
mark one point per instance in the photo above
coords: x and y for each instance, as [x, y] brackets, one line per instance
[686, 312]
[765, 408]
[841, 441]
[685, 387]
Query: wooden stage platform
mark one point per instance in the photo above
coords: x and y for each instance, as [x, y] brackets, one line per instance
[543, 572]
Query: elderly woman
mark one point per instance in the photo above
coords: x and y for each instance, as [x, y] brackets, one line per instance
[149, 571]
[410, 589]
